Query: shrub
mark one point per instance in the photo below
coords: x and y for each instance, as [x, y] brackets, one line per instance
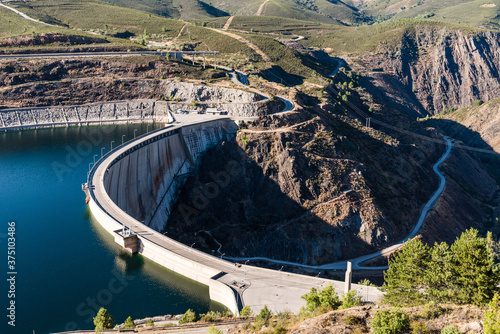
[150, 323]
[263, 315]
[420, 327]
[129, 323]
[214, 330]
[280, 330]
[246, 311]
[288, 144]
[477, 103]
[244, 141]
[326, 298]
[189, 316]
[450, 330]
[210, 316]
[351, 299]
[390, 321]
[431, 311]
[353, 320]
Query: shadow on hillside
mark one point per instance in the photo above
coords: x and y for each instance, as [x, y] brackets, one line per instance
[470, 138]
[249, 214]
[278, 75]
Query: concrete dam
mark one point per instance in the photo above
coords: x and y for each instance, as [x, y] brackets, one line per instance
[131, 191]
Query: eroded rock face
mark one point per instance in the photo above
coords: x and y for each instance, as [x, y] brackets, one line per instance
[315, 191]
[435, 68]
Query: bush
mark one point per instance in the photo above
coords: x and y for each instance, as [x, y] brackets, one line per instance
[189, 316]
[129, 323]
[477, 103]
[214, 330]
[351, 299]
[326, 299]
[390, 321]
[246, 311]
[431, 311]
[450, 330]
[420, 327]
[353, 320]
[150, 323]
[263, 315]
[210, 316]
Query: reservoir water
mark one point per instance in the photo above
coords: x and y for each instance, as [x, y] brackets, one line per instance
[67, 266]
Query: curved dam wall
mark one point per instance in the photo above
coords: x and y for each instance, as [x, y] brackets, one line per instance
[144, 182]
[133, 188]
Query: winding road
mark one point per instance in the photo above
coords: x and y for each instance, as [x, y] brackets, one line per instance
[27, 17]
[357, 262]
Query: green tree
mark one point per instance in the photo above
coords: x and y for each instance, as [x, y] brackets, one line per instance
[438, 275]
[103, 320]
[492, 317]
[129, 323]
[403, 281]
[390, 322]
[189, 316]
[473, 264]
[464, 273]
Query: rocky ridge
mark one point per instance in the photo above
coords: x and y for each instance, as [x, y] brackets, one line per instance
[433, 68]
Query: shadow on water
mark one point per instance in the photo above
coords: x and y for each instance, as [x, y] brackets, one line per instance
[133, 264]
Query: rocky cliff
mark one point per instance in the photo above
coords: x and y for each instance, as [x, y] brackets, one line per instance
[435, 67]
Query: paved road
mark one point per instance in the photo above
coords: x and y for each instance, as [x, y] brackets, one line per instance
[357, 262]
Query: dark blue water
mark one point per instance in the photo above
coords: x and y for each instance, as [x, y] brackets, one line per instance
[67, 265]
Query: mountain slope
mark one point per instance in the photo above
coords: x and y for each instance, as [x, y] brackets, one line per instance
[477, 13]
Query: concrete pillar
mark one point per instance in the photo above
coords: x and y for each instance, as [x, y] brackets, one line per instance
[215, 57]
[348, 277]
[204, 61]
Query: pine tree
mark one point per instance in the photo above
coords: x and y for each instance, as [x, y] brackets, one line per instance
[404, 280]
[103, 320]
[473, 265]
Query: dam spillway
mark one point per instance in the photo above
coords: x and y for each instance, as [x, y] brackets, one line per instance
[134, 187]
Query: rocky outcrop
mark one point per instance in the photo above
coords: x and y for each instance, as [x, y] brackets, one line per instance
[305, 192]
[433, 68]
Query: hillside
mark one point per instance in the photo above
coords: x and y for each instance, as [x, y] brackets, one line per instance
[479, 118]
[476, 13]
[425, 67]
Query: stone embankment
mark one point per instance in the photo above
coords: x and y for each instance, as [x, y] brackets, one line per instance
[188, 97]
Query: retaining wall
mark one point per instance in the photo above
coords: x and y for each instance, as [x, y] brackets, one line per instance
[118, 112]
